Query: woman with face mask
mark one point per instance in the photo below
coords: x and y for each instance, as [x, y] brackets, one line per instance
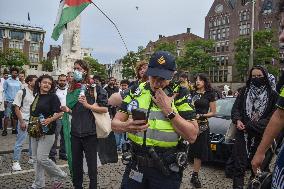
[251, 113]
[80, 102]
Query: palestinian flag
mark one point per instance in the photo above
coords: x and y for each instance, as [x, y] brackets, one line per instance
[68, 11]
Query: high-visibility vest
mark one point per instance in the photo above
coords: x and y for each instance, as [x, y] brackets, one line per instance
[160, 131]
[280, 101]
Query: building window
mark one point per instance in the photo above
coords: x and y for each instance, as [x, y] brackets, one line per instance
[210, 24]
[223, 33]
[245, 29]
[218, 34]
[223, 47]
[36, 37]
[227, 45]
[225, 75]
[227, 32]
[218, 47]
[214, 35]
[34, 57]
[18, 35]
[34, 47]
[34, 67]
[222, 61]
[227, 61]
[16, 45]
[1, 34]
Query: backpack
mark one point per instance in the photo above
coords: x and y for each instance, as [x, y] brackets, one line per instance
[22, 102]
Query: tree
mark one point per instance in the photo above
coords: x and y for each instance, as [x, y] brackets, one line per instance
[96, 68]
[13, 57]
[47, 65]
[166, 46]
[128, 65]
[265, 52]
[197, 56]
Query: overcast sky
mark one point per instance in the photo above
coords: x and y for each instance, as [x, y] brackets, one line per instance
[138, 27]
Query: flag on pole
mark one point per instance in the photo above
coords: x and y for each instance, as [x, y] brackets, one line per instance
[29, 19]
[68, 11]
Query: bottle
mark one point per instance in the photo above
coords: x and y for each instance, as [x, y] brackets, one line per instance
[44, 127]
[82, 90]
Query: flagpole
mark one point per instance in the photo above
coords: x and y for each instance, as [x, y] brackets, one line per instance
[113, 24]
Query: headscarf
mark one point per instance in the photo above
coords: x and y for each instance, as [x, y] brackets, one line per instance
[257, 97]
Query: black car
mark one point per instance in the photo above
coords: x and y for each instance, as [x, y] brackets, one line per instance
[221, 143]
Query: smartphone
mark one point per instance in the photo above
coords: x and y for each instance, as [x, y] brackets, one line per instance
[138, 114]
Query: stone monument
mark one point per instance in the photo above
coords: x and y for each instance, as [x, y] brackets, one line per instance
[70, 49]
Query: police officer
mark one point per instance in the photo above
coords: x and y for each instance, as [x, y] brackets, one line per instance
[154, 141]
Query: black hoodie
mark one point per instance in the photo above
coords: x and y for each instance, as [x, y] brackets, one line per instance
[239, 107]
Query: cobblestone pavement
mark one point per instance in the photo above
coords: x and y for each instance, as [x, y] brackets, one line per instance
[7, 142]
[109, 176]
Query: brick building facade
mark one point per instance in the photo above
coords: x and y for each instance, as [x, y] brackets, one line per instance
[28, 39]
[226, 21]
[179, 40]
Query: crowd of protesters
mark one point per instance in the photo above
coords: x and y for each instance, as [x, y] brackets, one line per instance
[44, 111]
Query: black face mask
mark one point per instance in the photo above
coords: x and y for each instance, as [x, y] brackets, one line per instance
[259, 81]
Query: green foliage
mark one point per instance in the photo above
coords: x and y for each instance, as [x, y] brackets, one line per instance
[197, 57]
[166, 46]
[13, 57]
[96, 68]
[47, 65]
[264, 52]
[128, 65]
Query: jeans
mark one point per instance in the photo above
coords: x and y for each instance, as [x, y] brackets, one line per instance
[21, 137]
[1, 119]
[40, 150]
[152, 179]
[119, 139]
[58, 131]
[87, 145]
[8, 110]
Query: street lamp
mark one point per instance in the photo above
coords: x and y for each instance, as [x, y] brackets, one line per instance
[251, 37]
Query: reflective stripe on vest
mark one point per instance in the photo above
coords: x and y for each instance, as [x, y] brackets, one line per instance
[160, 132]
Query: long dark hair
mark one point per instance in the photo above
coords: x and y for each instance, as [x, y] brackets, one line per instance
[86, 80]
[38, 81]
[203, 77]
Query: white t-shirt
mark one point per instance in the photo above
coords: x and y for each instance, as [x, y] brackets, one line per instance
[62, 96]
[28, 100]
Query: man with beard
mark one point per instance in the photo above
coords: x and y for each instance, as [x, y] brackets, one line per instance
[61, 92]
[11, 86]
[111, 89]
[22, 103]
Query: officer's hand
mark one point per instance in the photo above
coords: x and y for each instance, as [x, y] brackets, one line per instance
[163, 101]
[257, 161]
[240, 125]
[134, 126]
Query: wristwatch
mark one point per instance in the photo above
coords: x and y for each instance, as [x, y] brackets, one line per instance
[171, 115]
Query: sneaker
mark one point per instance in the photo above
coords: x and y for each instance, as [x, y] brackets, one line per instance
[195, 180]
[31, 161]
[4, 133]
[16, 166]
[57, 185]
[14, 131]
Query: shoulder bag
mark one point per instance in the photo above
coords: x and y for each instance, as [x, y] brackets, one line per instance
[102, 120]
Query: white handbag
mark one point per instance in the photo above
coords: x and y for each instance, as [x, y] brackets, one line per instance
[103, 121]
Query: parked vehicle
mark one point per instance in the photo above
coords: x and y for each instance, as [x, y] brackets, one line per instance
[221, 131]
